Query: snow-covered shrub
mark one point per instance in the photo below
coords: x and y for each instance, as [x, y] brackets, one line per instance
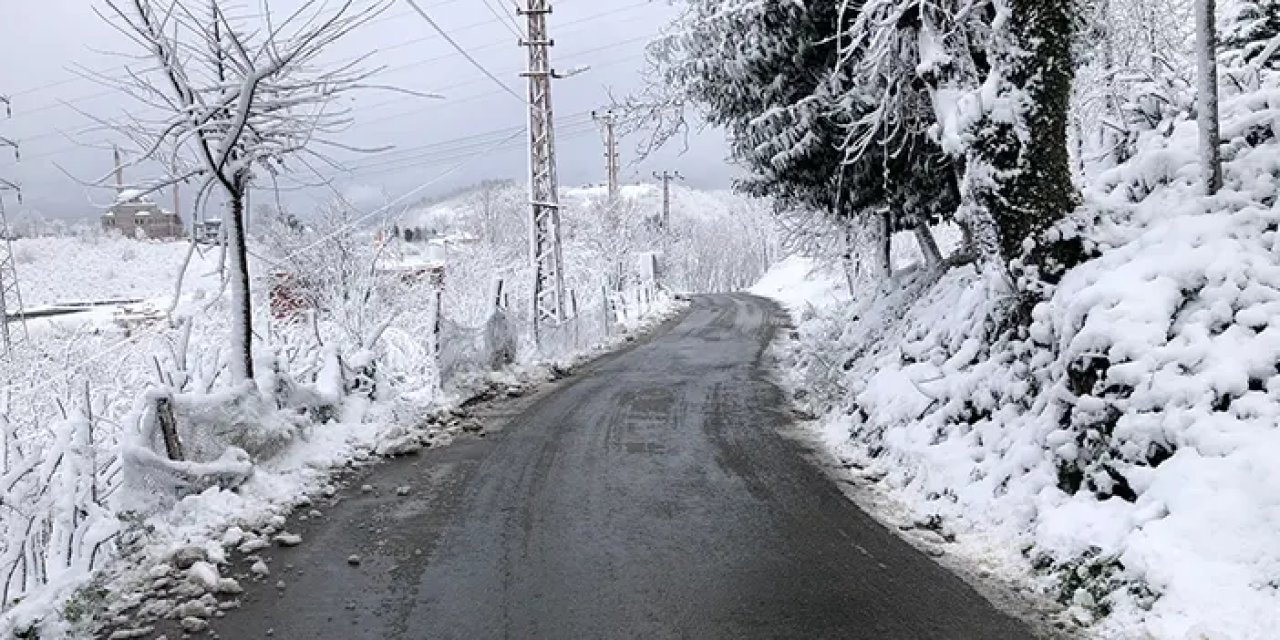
[23, 254]
[500, 341]
[1124, 440]
[58, 526]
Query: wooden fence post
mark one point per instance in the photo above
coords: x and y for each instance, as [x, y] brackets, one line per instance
[169, 427]
[573, 308]
[497, 295]
[604, 307]
[437, 321]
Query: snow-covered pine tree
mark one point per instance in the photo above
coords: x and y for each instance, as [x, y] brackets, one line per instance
[764, 71]
[1248, 27]
[891, 155]
[757, 69]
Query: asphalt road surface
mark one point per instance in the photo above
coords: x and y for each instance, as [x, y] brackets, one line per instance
[651, 495]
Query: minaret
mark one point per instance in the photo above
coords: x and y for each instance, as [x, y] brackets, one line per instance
[115, 150]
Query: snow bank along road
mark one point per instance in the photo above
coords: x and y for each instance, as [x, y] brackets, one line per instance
[649, 496]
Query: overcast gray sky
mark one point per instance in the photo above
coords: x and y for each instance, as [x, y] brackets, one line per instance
[42, 44]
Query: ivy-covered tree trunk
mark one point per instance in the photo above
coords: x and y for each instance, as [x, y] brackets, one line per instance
[1022, 145]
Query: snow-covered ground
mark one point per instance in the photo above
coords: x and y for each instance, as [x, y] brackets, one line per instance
[97, 503]
[93, 268]
[1120, 452]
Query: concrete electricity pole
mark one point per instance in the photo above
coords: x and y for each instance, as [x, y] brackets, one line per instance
[544, 199]
[10, 292]
[666, 178]
[608, 122]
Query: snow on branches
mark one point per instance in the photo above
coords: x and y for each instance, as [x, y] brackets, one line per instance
[232, 99]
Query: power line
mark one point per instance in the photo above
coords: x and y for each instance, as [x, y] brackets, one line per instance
[458, 47]
[448, 103]
[509, 21]
[402, 114]
[460, 145]
[389, 173]
[122, 67]
[405, 67]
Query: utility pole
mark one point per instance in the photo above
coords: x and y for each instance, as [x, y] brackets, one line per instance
[544, 198]
[666, 178]
[10, 292]
[608, 122]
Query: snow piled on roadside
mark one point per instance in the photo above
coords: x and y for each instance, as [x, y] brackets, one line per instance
[1125, 444]
[803, 285]
[216, 519]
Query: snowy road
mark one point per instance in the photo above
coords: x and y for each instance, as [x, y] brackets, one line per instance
[650, 496]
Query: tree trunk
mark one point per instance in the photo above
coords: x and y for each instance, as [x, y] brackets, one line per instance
[1207, 96]
[884, 245]
[241, 295]
[928, 245]
[847, 259]
[1029, 187]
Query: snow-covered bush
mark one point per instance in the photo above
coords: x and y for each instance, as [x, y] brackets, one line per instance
[1123, 441]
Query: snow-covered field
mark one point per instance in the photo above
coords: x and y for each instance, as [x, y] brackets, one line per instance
[1119, 454]
[92, 268]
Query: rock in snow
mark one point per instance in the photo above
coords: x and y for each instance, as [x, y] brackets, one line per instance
[288, 539]
[260, 569]
[233, 536]
[193, 609]
[204, 574]
[194, 625]
[128, 634]
[187, 556]
[253, 544]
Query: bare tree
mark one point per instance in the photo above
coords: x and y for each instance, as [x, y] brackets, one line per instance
[230, 101]
[494, 206]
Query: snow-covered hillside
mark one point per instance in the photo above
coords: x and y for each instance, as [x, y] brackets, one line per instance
[713, 241]
[1120, 452]
[461, 211]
